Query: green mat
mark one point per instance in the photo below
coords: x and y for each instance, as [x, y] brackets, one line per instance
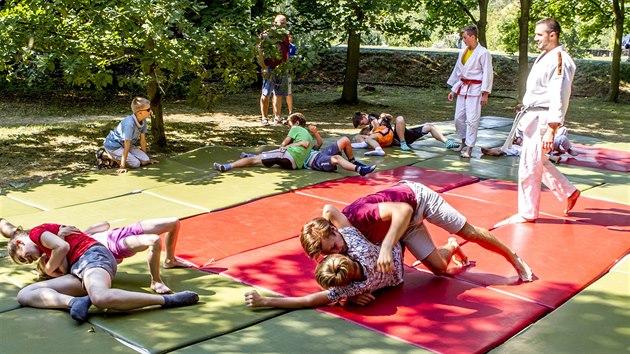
[29, 330]
[245, 184]
[303, 331]
[474, 167]
[8, 296]
[89, 187]
[619, 193]
[597, 320]
[10, 207]
[118, 211]
[611, 145]
[221, 310]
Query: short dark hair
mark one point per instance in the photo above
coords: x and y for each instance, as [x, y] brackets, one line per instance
[357, 118]
[471, 30]
[552, 25]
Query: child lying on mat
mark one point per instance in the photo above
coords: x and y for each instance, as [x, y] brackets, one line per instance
[299, 151]
[126, 241]
[353, 277]
[82, 271]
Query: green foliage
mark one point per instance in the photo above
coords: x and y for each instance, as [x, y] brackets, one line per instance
[82, 41]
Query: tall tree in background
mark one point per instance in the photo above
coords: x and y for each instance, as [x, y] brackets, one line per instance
[162, 41]
[619, 17]
[447, 15]
[347, 20]
[523, 46]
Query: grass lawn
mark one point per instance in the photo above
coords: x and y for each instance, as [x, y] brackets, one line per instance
[44, 139]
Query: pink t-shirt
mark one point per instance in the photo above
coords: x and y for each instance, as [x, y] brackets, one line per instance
[363, 212]
[79, 242]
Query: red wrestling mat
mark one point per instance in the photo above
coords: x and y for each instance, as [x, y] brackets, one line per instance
[615, 216]
[436, 313]
[597, 157]
[565, 257]
[346, 190]
[219, 234]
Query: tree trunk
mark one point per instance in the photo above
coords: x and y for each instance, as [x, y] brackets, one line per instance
[618, 10]
[351, 79]
[523, 45]
[157, 120]
[482, 24]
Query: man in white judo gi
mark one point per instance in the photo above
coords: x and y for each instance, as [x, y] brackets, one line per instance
[545, 104]
[471, 80]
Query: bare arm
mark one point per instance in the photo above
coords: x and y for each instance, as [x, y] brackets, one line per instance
[400, 215]
[254, 299]
[318, 139]
[98, 227]
[123, 159]
[335, 217]
[59, 250]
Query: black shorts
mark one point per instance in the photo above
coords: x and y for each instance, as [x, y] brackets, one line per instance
[411, 135]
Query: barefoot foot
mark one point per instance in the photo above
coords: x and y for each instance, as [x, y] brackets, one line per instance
[459, 257]
[175, 263]
[160, 288]
[571, 201]
[524, 271]
[514, 219]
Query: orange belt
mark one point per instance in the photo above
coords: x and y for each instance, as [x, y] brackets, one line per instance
[467, 82]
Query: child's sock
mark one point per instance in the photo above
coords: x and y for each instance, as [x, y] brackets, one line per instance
[376, 152]
[246, 155]
[184, 298]
[79, 308]
[222, 168]
[404, 146]
[361, 145]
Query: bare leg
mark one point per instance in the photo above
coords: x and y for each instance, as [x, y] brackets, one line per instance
[400, 128]
[434, 131]
[438, 260]
[264, 107]
[345, 164]
[290, 103]
[169, 226]
[248, 161]
[461, 146]
[54, 293]
[277, 106]
[99, 287]
[152, 242]
[486, 240]
[345, 146]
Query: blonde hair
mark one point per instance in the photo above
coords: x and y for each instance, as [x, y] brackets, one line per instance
[333, 271]
[312, 234]
[138, 103]
[12, 245]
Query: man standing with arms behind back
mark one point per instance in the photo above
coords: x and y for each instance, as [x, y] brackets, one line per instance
[545, 104]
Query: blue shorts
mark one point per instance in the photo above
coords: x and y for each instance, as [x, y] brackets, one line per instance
[97, 256]
[322, 161]
[278, 85]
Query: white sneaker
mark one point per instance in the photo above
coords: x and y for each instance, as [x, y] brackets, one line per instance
[361, 145]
